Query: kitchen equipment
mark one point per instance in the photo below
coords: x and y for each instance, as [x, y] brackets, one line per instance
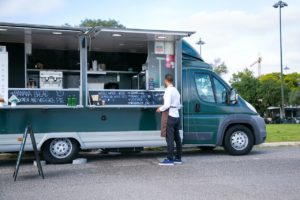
[95, 65]
[31, 83]
[103, 66]
[51, 79]
[96, 99]
[96, 86]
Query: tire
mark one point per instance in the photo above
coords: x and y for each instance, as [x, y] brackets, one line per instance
[207, 148]
[238, 140]
[60, 150]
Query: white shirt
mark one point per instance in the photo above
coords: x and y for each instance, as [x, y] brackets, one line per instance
[171, 101]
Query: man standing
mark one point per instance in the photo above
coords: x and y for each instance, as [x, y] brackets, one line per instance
[172, 105]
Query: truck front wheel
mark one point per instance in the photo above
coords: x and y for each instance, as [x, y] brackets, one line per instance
[60, 150]
[238, 140]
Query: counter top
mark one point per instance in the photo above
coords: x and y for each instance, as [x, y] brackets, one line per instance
[40, 106]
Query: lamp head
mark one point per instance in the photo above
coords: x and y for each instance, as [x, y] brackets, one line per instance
[280, 4]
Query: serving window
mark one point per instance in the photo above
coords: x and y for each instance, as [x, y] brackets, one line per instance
[128, 68]
[44, 66]
[67, 67]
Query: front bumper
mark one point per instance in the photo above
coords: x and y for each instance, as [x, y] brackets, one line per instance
[259, 129]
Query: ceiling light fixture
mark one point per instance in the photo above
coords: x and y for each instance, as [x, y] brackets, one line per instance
[116, 35]
[161, 37]
[57, 33]
[3, 29]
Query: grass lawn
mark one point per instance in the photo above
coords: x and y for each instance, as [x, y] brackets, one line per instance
[283, 132]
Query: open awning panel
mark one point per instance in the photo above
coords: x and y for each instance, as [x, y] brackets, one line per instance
[102, 39]
[113, 39]
[45, 37]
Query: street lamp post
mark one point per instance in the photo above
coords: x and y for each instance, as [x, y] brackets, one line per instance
[281, 4]
[200, 43]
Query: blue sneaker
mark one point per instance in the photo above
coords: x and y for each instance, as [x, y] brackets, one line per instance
[166, 162]
[177, 161]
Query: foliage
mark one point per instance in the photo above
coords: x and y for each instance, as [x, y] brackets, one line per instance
[265, 91]
[294, 97]
[270, 93]
[274, 76]
[111, 23]
[219, 67]
[246, 85]
[293, 81]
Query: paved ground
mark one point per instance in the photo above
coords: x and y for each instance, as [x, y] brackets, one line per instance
[267, 173]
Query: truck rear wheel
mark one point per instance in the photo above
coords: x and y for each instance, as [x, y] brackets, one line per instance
[60, 150]
[238, 140]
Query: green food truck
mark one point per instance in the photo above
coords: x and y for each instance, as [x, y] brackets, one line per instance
[92, 88]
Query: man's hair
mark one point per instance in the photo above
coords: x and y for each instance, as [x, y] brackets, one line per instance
[169, 78]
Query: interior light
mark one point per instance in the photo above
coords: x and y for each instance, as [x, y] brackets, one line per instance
[121, 44]
[3, 29]
[161, 37]
[56, 33]
[116, 35]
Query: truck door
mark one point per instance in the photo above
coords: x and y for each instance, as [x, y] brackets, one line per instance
[203, 100]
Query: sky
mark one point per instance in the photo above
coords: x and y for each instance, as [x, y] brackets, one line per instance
[234, 31]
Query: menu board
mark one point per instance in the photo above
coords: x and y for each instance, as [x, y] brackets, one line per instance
[4, 75]
[43, 97]
[137, 98]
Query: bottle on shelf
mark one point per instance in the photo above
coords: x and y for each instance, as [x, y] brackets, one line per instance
[69, 100]
[74, 100]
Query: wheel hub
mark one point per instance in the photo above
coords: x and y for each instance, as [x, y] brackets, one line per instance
[61, 147]
[239, 140]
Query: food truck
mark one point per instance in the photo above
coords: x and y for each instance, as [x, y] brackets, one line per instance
[92, 88]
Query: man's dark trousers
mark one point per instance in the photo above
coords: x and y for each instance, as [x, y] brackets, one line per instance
[173, 134]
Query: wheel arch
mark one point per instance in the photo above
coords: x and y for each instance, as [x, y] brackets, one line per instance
[239, 119]
[50, 136]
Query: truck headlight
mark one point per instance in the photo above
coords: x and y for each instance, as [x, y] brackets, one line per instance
[250, 107]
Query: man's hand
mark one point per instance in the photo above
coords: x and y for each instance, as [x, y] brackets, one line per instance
[158, 110]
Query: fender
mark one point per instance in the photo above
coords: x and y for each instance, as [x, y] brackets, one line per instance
[254, 121]
[72, 135]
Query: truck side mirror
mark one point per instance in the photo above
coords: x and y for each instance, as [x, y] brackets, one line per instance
[224, 96]
[232, 97]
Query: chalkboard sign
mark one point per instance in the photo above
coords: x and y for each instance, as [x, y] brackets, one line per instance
[29, 131]
[43, 97]
[130, 97]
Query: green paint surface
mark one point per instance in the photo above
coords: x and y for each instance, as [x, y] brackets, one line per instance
[79, 120]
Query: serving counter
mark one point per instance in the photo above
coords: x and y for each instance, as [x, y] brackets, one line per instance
[45, 98]
[125, 98]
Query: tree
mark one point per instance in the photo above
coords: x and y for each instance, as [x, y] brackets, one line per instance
[270, 93]
[111, 23]
[247, 86]
[294, 97]
[265, 91]
[274, 76]
[219, 67]
[67, 25]
[292, 80]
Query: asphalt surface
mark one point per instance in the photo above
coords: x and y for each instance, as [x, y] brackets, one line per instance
[266, 173]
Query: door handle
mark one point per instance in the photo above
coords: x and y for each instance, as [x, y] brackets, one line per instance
[197, 107]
